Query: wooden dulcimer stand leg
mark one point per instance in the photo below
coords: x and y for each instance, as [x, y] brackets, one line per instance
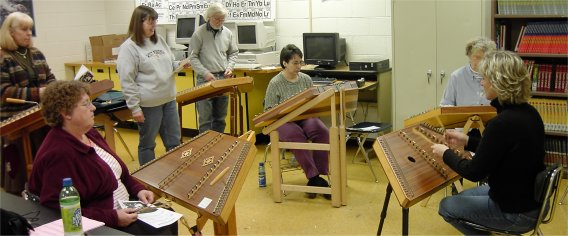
[333, 147]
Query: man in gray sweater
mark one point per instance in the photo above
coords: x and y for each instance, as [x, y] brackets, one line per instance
[213, 57]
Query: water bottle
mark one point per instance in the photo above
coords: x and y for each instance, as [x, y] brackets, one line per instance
[70, 204]
[261, 175]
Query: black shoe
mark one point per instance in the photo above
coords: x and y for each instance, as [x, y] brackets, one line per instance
[321, 182]
[313, 181]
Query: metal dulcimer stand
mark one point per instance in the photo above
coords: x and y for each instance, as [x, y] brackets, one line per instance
[204, 175]
[234, 87]
[314, 102]
[29, 120]
[415, 174]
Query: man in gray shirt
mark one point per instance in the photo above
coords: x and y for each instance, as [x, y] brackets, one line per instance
[213, 57]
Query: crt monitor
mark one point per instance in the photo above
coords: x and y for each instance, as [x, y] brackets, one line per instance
[325, 50]
[186, 25]
[255, 36]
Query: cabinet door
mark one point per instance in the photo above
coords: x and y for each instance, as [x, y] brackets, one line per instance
[457, 23]
[429, 43]
[414, 55]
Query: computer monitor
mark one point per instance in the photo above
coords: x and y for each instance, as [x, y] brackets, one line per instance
[255, 36]
[325, 50]
[186, 25]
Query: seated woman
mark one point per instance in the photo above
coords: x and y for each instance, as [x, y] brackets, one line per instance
[284, 85]
[74, 149]
[510, 154]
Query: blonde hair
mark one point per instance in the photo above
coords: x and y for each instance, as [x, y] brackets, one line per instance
[215, 9]
[14, 20]
[480, 43]
[507, 75]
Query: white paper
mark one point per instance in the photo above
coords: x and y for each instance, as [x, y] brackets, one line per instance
[182, 64]
[160, 217]
[204, 203]
[84, 75]
[370, 128]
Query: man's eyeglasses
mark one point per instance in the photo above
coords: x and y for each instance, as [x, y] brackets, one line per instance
[219, 18]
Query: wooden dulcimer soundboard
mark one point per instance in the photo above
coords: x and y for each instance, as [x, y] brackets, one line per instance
[452, 117]
[204, 175]
[321, 109]
[412, 170]
[214, 88]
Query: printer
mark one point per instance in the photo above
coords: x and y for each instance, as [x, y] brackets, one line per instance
[263, 58]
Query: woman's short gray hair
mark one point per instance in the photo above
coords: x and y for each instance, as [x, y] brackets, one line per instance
[215, 9]
[508, 76]
[480, 43]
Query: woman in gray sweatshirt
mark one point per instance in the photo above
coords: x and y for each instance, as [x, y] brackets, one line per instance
[145, 65]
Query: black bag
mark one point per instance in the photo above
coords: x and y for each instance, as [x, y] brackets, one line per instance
[109, 101]
[14, 224]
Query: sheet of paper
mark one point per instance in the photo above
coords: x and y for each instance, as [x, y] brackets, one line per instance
[56, 227]
[84, 75]
[160, 218]
[182, 64]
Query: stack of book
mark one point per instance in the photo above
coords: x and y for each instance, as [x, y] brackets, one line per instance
[532, 7]
[553, 113]
[543, 37]
[556, 148]
[548, 77]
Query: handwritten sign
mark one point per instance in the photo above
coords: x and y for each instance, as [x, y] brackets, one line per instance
[239, 10]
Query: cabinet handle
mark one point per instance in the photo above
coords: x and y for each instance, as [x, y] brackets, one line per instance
[442, 75]
[429, 75]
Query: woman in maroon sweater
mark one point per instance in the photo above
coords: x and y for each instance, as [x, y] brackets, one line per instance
[74, 149]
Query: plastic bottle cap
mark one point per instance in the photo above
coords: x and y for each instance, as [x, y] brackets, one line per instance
[67, 182]
[261, 163]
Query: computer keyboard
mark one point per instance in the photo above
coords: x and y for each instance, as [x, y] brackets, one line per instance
[249, 66]
[323, 80]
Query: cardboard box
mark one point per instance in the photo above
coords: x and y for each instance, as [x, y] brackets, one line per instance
[105, 47]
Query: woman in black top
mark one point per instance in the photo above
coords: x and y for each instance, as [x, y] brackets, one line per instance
[510, 154]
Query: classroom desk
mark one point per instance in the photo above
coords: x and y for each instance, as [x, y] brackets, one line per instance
[253, 100]
[39, 215]
[381, 95]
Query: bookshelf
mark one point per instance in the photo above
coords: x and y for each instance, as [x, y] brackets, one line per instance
[538, 32]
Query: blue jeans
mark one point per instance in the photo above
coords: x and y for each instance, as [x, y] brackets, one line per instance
[163, 119]
[212, 111]
[475, 205]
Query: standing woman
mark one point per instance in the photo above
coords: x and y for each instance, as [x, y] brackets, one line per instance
[145, 65]
[24, 73]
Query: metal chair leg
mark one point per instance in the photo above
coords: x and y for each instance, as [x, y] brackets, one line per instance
[123, 143]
